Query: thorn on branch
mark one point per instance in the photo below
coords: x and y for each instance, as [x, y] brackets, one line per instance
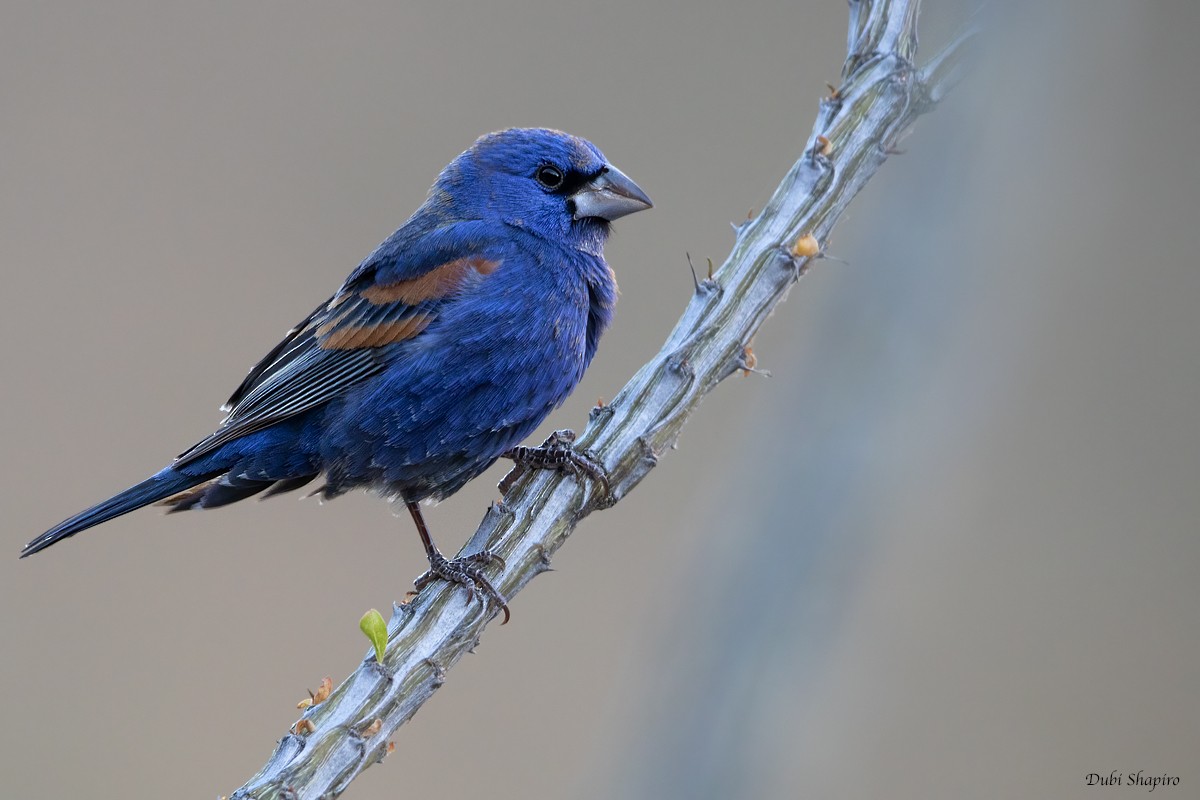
[303, 727]
[748, 360]
[740, 227]
[707, 285]
[747, 363]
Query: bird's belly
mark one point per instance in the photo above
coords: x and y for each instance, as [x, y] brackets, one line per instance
[446, 411]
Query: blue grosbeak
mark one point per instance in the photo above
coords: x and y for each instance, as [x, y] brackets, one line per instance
[440, 353]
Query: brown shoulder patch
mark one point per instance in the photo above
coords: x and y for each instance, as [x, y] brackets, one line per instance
[437, 283]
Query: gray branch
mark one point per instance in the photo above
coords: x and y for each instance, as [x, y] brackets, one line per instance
[882, 94]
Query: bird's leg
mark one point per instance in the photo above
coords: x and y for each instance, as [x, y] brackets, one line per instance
[556, 453]
[464, 571]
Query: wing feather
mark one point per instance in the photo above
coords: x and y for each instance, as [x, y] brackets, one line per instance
[344, 341]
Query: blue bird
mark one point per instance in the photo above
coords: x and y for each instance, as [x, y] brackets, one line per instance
[440, 353]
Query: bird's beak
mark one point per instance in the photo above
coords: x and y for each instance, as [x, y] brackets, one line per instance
[610, 195]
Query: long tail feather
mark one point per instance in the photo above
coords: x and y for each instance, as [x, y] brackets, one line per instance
[156, 487]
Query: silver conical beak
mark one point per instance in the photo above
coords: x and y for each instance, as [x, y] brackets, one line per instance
[610, 195]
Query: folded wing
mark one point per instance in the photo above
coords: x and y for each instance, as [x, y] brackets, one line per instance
[346, 340]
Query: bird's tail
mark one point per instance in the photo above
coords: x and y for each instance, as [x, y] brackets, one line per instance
[164, 484]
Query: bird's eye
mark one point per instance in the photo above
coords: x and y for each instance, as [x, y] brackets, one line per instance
[550, 177]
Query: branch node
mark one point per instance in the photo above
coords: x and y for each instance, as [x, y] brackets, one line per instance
[369, 730]
[543, 559]
[747, 362]
[708, 285]
[439, 672]
[796, 265]
[902, 72]
[649, 455]
[601, 411]
[679, 363]
[858, 61]
[381, 669]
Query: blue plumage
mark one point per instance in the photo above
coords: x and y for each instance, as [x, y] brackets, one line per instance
[443, 350]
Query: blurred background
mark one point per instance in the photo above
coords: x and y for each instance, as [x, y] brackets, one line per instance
[949, 549]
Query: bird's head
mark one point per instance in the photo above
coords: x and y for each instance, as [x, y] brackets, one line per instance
[548, 182]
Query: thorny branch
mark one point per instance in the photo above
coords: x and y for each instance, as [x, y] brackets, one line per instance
[857, 126]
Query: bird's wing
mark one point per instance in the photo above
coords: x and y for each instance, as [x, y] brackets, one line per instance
[392, 297]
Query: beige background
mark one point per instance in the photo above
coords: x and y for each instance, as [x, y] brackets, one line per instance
[948, 550]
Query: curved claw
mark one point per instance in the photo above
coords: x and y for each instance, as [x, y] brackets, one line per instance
[465, 572]
[556, 453]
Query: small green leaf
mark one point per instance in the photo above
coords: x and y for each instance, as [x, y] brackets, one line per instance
[375, 628]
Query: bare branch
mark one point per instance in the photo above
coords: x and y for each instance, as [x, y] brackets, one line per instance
[856, 127]
[879, 28]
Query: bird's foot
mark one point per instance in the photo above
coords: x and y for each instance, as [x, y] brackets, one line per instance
[466, 572]
[556, 453]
